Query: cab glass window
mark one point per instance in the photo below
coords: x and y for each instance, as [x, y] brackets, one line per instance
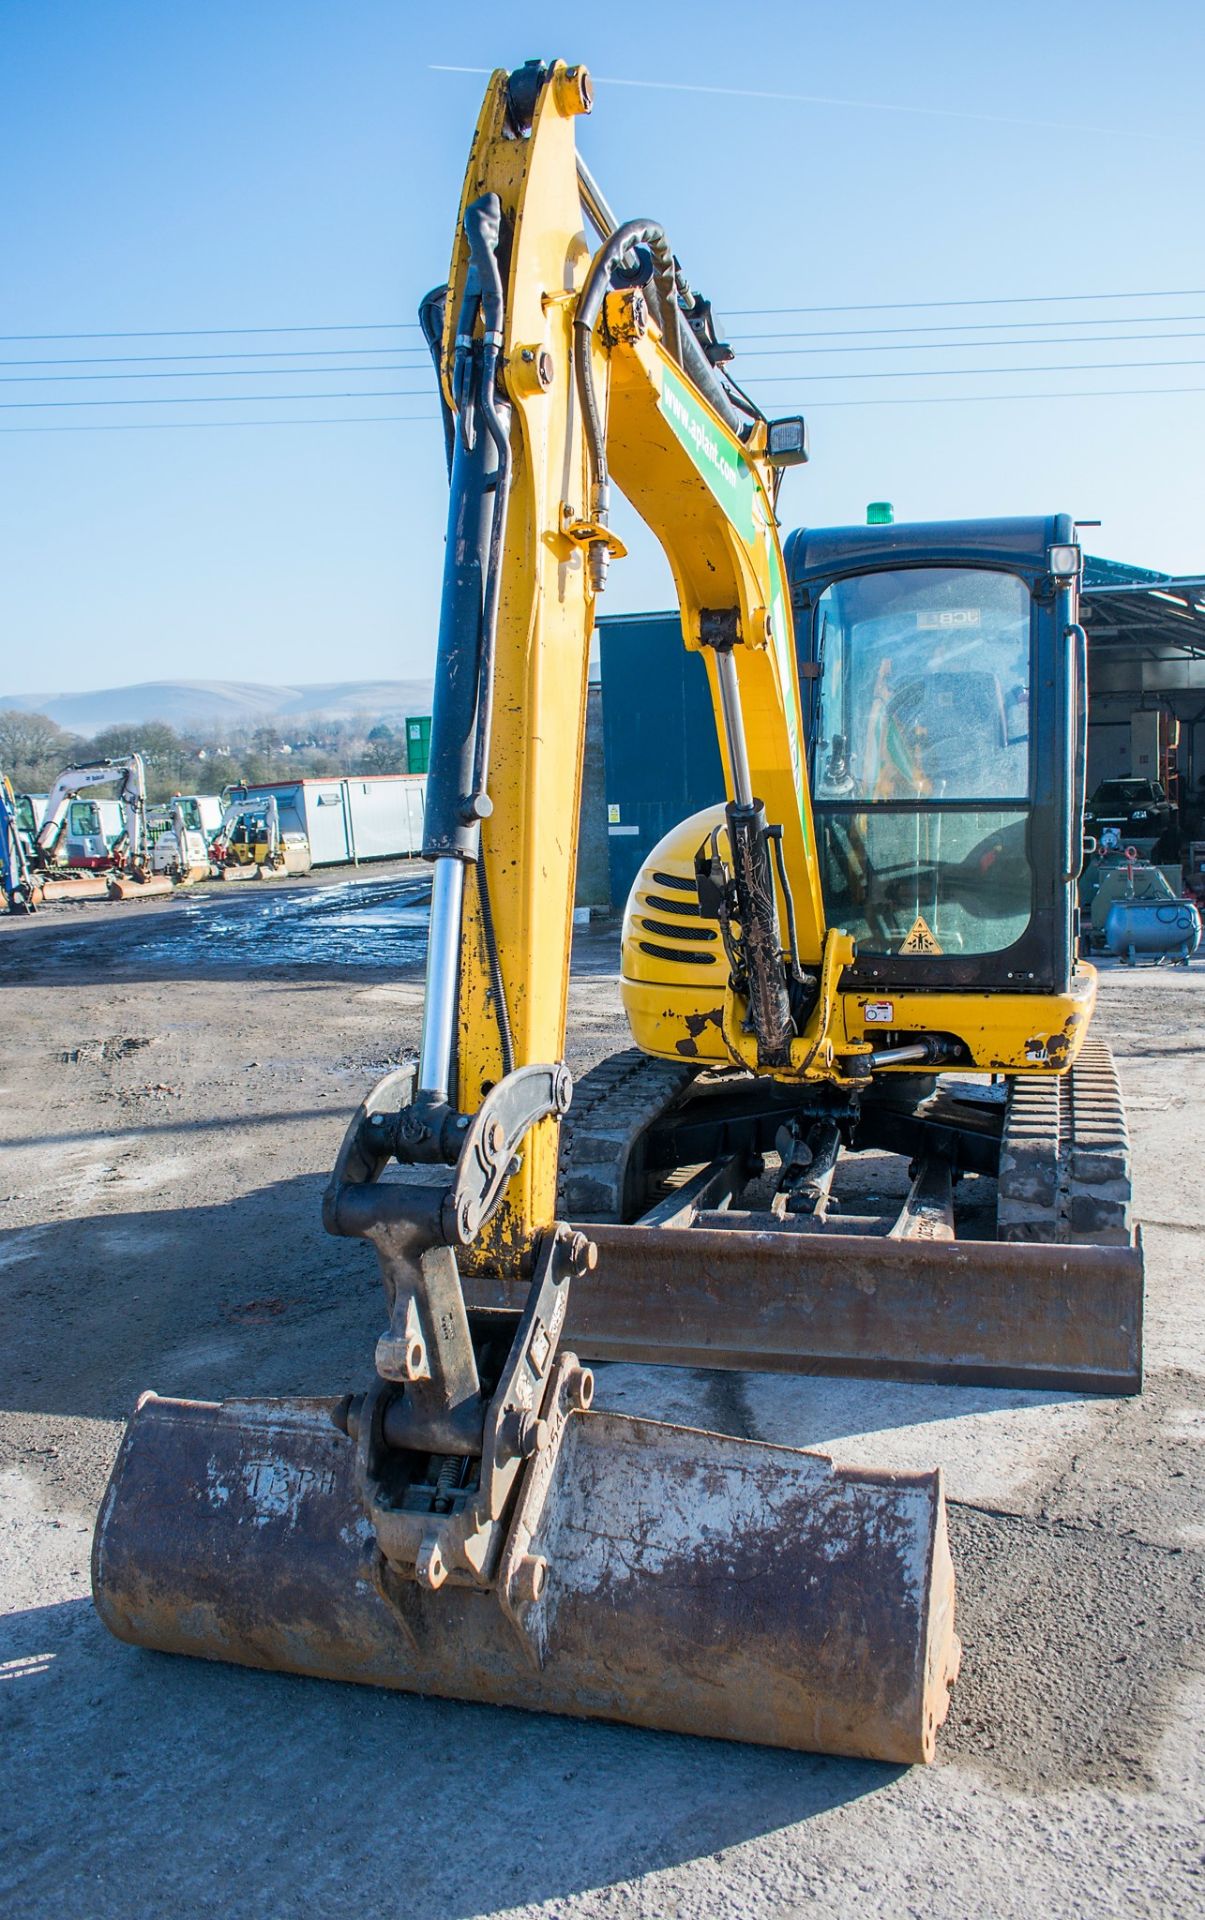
[924, 689]
[84, 819]
[920, 759]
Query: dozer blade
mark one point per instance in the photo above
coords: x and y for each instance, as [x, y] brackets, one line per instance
[977, 1312]
[693, 1582]
[127, 886]
[91, 886]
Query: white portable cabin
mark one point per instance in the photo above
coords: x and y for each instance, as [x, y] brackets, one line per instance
[377, 816]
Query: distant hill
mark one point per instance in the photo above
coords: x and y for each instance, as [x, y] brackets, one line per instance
[235, 703]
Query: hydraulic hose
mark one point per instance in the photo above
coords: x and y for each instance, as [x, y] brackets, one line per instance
[431, 320]
[666, 288]
[483, 224]
[608, 259]
[502, 1011]
[457, 801]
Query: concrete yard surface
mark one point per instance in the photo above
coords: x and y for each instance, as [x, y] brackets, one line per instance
[175, 1081]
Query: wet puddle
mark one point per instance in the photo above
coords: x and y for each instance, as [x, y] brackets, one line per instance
[352, 923]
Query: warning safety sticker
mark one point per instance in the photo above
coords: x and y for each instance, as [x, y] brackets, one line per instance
[921, 938]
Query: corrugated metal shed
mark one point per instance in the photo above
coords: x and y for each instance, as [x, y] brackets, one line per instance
[661, 756]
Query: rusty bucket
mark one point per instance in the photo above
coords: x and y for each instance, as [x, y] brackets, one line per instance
[674, 1579]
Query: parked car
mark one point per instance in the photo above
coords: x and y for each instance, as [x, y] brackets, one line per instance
[1138, 809]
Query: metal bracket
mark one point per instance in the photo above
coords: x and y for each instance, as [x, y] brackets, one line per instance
[522, 1575]
[444, 1519]
[488, 1157]
[444, 1432]
[720, 627]
[389, 1125]
[585, 532]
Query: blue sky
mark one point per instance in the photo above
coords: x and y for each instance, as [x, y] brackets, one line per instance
[271, 165]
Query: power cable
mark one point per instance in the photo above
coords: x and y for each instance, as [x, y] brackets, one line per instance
[964, 326]
[213, 333]
[188, 426]
[416, 393]
[835, 333]
[1012, 300]
[280, 353]
[966, 399]
[972, 373]
[222, 399]
[420, 356]
[941, 346]
[412, 326]
[196, 373]
[412, 419]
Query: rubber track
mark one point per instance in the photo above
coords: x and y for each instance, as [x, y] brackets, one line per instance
[1065, 1156]
[613, 1106]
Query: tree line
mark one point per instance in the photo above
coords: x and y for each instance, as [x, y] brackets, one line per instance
[34, 750]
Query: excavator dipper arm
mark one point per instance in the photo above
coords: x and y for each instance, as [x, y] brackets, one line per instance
[468, 1523]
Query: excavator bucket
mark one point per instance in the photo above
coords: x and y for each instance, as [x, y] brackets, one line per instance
[673, 1578]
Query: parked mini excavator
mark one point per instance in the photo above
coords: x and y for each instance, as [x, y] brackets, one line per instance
[801, 980]
[128, 873]
[249, 844]
[20, 892]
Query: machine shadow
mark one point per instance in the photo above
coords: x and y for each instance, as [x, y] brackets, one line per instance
[809, 1409]
[247, 1296]
[252, 1296]
[283, 1789]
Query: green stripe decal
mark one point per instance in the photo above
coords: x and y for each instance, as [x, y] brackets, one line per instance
[726, 471]
[781, 640]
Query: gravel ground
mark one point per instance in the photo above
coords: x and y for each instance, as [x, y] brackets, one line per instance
[175, 1080]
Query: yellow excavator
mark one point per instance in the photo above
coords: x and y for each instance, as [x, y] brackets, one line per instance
[806, 973]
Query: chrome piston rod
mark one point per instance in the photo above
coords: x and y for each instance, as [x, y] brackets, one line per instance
[443, 964]
[734, 727]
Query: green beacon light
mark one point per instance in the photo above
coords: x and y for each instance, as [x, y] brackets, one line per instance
[880, 513]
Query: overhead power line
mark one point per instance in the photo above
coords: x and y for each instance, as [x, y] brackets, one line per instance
[277, 353]
[415, 357]
[943, 346]
[1011, 300]
[412, 326]
[414, 419]
[959, 326]
[189, 426]
[973, 373]
[221, 399]
[213, 333]
[967, 399]
[831, 100]
[419, 393]
[197, 373]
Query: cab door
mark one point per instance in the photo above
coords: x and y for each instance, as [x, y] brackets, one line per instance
[940, 723]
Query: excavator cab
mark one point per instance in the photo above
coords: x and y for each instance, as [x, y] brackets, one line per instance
[944, 695]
